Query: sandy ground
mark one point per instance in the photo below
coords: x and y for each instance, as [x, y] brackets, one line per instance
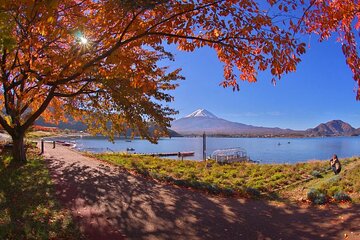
[110, 203]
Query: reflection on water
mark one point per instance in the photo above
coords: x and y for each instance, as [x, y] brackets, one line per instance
[266, 150]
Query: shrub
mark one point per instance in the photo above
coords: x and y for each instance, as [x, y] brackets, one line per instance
[342, 197]
[229, 192]
[316, 196]
[212, 188]
[316, 174]
[180, 182]
[334, 179]
[253, 192]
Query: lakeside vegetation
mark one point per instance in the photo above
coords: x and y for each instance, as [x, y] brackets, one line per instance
[36, 135]
[332, 188]
[28, 209]
[245, 179]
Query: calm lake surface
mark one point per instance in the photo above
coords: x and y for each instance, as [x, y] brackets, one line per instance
[266, 150]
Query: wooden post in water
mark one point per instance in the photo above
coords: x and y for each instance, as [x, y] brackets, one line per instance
[42, 146]
[204, 146]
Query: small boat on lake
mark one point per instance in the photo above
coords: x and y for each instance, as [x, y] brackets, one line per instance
[71, 144]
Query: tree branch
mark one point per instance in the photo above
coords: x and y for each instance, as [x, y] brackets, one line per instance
[40, 110]
[182, 13]
[218, 41]
[5, 76]
[304, 14]
[6, 126]
[80, 91]
[120, 42]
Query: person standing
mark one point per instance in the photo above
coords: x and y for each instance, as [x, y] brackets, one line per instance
[335, 164]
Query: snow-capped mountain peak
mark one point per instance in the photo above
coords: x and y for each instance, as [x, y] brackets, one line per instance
[201, 113]
[202, 121]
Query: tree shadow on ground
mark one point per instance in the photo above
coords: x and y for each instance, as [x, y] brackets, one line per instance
[27, 209]
[110, 203]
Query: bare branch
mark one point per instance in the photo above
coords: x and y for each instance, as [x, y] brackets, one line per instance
[182, 13]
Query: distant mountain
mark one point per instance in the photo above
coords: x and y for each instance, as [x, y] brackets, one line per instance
[333, 128]
[79, 126]
[70, 125]
[204, 121]
[201, 113]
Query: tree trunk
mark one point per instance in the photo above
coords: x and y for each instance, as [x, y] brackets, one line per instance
[19, 153]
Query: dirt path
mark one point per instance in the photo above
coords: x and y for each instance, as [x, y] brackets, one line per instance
[110, 203]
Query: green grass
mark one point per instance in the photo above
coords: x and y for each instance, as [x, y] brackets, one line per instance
[40, 134]
[346, 183]
[28, 209]
[242, 179]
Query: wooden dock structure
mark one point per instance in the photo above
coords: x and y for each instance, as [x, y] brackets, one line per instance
[169, 154]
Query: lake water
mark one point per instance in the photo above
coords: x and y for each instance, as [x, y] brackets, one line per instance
[265, 150]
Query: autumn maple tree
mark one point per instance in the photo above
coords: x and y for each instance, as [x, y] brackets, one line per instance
[99, 61]
[339, 18]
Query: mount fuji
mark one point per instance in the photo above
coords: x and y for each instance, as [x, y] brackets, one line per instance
[202, 121]
[201, 113]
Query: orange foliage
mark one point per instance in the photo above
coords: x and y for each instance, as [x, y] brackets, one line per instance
[341, 17]
[45, 129]
[99, 60]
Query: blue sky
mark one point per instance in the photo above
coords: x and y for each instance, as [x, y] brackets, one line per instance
[322, 89]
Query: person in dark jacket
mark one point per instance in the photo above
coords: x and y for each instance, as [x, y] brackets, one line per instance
[335, 164]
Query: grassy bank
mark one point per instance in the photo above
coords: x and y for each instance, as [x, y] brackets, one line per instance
[28, 209]
[332, 188]
[242, 179]
[34, 135]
